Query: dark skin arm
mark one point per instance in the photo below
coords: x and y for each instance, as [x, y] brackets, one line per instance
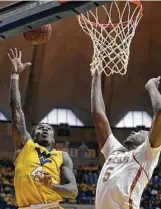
[155, 96]
[69, 188]
[19, 132]
[102, 126]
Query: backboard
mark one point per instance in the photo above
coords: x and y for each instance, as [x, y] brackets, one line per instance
[23, 16]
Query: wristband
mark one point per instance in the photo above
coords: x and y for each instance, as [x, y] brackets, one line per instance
[15, 76]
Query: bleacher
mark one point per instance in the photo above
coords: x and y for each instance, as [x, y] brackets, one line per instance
[87, 177]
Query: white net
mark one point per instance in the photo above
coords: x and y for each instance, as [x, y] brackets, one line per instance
[111, 41]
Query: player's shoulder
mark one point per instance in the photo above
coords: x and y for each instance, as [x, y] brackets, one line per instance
[25, 148]
[67, 159]
[57, 152]
[28, 143]
[65, 155]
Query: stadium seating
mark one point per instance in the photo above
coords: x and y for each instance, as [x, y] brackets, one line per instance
[87, 177]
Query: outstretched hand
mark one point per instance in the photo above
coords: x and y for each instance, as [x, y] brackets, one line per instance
[15, 58]
[153, 82]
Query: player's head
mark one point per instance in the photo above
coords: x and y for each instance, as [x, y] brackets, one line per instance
[135, 139]
[43, 134]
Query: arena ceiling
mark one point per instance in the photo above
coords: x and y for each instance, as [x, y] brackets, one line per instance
[61, 71]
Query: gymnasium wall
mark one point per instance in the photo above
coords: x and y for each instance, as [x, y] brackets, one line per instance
[78, 139]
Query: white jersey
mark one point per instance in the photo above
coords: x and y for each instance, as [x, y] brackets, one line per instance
[124, 174]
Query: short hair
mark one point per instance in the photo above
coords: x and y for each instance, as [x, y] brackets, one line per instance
[34, 128]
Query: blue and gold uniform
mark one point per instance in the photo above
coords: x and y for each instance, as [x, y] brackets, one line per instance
[31, 158]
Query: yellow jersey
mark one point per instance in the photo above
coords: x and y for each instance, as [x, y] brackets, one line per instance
[32, 158]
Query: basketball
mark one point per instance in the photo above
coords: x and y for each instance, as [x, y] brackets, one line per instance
[39, 36]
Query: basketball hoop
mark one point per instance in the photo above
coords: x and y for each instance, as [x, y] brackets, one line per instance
[111, 41]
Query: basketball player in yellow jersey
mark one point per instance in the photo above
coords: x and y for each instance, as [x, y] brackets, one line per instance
[42, 175]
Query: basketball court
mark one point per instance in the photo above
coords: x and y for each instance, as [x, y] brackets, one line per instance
[66, 63]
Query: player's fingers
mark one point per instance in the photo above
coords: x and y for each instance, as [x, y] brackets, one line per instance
[39, 175]
[20, 55]
[158, 80]
[9, 56]
[27, 65]
[47, 176]
[45, 173]
[37, 178]
[47, 179]
[16, 53]
[43, 181]
[12, 53]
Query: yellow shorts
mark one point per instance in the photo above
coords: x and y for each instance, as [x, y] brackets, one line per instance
[43, 206]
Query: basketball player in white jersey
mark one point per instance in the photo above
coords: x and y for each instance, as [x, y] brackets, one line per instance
[127, 169]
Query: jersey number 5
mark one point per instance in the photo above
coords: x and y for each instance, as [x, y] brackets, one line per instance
[107, 173]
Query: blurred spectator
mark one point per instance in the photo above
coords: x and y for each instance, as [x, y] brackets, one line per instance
[151, 198]
[7, 195]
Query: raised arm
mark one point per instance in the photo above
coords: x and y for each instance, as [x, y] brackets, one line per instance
[69, 189]
[19, 133]
[102, 126]
[155, 96]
